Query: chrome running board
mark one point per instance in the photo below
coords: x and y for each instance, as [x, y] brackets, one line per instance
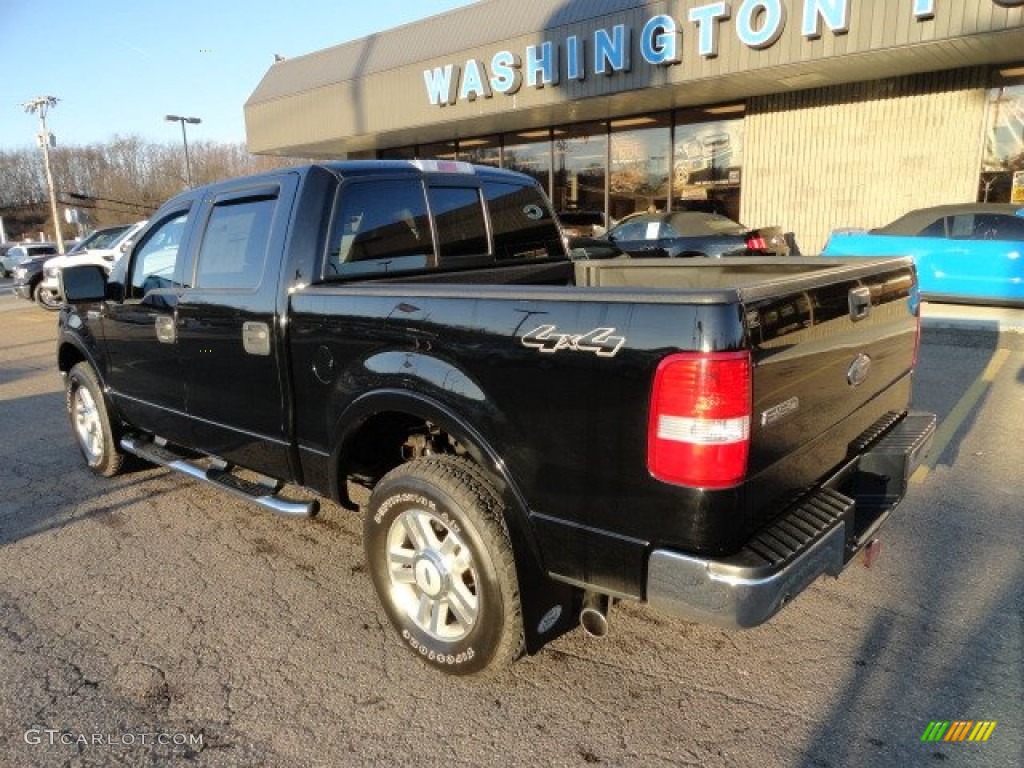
[220, 476]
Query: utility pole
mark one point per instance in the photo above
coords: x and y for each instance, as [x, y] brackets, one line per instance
[41, 105]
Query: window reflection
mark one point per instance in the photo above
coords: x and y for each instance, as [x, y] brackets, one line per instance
[381, 227]
[640, 162]
[442, 150]
[1002, 167]
[397, 153]
[530, 153]
[707, 160]
[580, 155]
[521, 222]
[632, 163]
[481, 151]
[459, 218]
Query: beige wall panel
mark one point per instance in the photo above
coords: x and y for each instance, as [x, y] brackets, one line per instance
[860, 155]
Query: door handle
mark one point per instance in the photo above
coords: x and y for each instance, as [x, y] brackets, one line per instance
[256, 338]
[166, 332]
[860, 303]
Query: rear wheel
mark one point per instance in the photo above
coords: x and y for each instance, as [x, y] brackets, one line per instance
[90, 421]
[440, 558]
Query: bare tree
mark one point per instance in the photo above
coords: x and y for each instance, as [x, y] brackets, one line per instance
[116, 182]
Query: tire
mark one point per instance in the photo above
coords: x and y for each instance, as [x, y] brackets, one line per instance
[45, 299]
[90, 422]
[440, 558]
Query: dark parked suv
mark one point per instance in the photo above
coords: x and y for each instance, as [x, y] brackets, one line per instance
[28, 280]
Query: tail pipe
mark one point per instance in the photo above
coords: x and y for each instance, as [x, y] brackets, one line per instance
[594, 614]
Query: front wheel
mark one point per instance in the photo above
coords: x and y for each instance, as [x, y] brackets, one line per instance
[439, 555]
[90, 421]
[45, 298]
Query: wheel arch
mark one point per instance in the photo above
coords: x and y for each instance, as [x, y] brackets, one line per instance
[72, 350]
[375, 411]
[69, 354]
[549, 607]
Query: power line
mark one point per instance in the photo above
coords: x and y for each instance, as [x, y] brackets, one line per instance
[151, 205]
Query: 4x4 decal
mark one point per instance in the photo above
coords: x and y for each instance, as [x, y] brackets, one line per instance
[600, 341]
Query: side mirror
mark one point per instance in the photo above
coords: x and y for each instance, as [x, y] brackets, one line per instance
[86, 283]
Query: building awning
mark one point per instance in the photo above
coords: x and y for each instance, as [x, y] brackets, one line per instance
[454, 75]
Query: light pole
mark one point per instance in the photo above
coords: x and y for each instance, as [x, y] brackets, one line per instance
[184, 139]
[42, 104]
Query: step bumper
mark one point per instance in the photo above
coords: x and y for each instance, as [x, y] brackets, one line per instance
[818, 535]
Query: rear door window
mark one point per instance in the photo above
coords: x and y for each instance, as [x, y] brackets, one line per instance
[234, 249]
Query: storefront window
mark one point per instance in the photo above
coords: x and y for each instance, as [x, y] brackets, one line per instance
[530, 153]
[1002, 168]
[580, 155]
[708, 159]
[397, 153]
[640, 165]
[482, 151]
[623, 166]
[444, 150]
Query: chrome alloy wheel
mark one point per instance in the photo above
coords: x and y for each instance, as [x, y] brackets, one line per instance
[88, 424]
[433, 578]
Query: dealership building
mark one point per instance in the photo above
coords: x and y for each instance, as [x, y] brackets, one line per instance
[808, 114]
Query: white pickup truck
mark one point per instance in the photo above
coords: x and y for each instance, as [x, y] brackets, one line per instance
[102, 248]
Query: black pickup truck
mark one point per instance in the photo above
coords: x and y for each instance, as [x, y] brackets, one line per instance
[540, 433]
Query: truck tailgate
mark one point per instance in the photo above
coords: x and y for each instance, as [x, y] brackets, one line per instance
[832, 367]
[832, 342]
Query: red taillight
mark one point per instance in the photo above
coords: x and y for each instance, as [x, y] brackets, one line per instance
[756, 243]
[699, 430]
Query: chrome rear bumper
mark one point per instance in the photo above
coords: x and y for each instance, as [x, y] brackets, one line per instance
[818, 535]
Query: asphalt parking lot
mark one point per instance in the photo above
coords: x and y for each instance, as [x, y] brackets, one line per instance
[147, 620]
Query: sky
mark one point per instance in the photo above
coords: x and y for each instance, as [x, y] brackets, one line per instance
[118, 67]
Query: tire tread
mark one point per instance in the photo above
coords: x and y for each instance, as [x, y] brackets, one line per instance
[462, 479]
[113, 460]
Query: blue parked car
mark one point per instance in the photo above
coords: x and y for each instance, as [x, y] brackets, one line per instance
[971, 253]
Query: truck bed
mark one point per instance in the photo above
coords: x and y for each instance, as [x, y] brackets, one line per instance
[571, 425]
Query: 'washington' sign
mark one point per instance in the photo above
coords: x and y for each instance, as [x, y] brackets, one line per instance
[757, 24]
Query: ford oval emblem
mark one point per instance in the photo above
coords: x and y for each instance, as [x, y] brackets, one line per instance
[858, 370]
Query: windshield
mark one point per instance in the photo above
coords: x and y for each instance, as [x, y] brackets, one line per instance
[697, 223]
[102, 238]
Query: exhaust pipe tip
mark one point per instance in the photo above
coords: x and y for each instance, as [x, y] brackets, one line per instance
[870, 553]
[594, 614]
